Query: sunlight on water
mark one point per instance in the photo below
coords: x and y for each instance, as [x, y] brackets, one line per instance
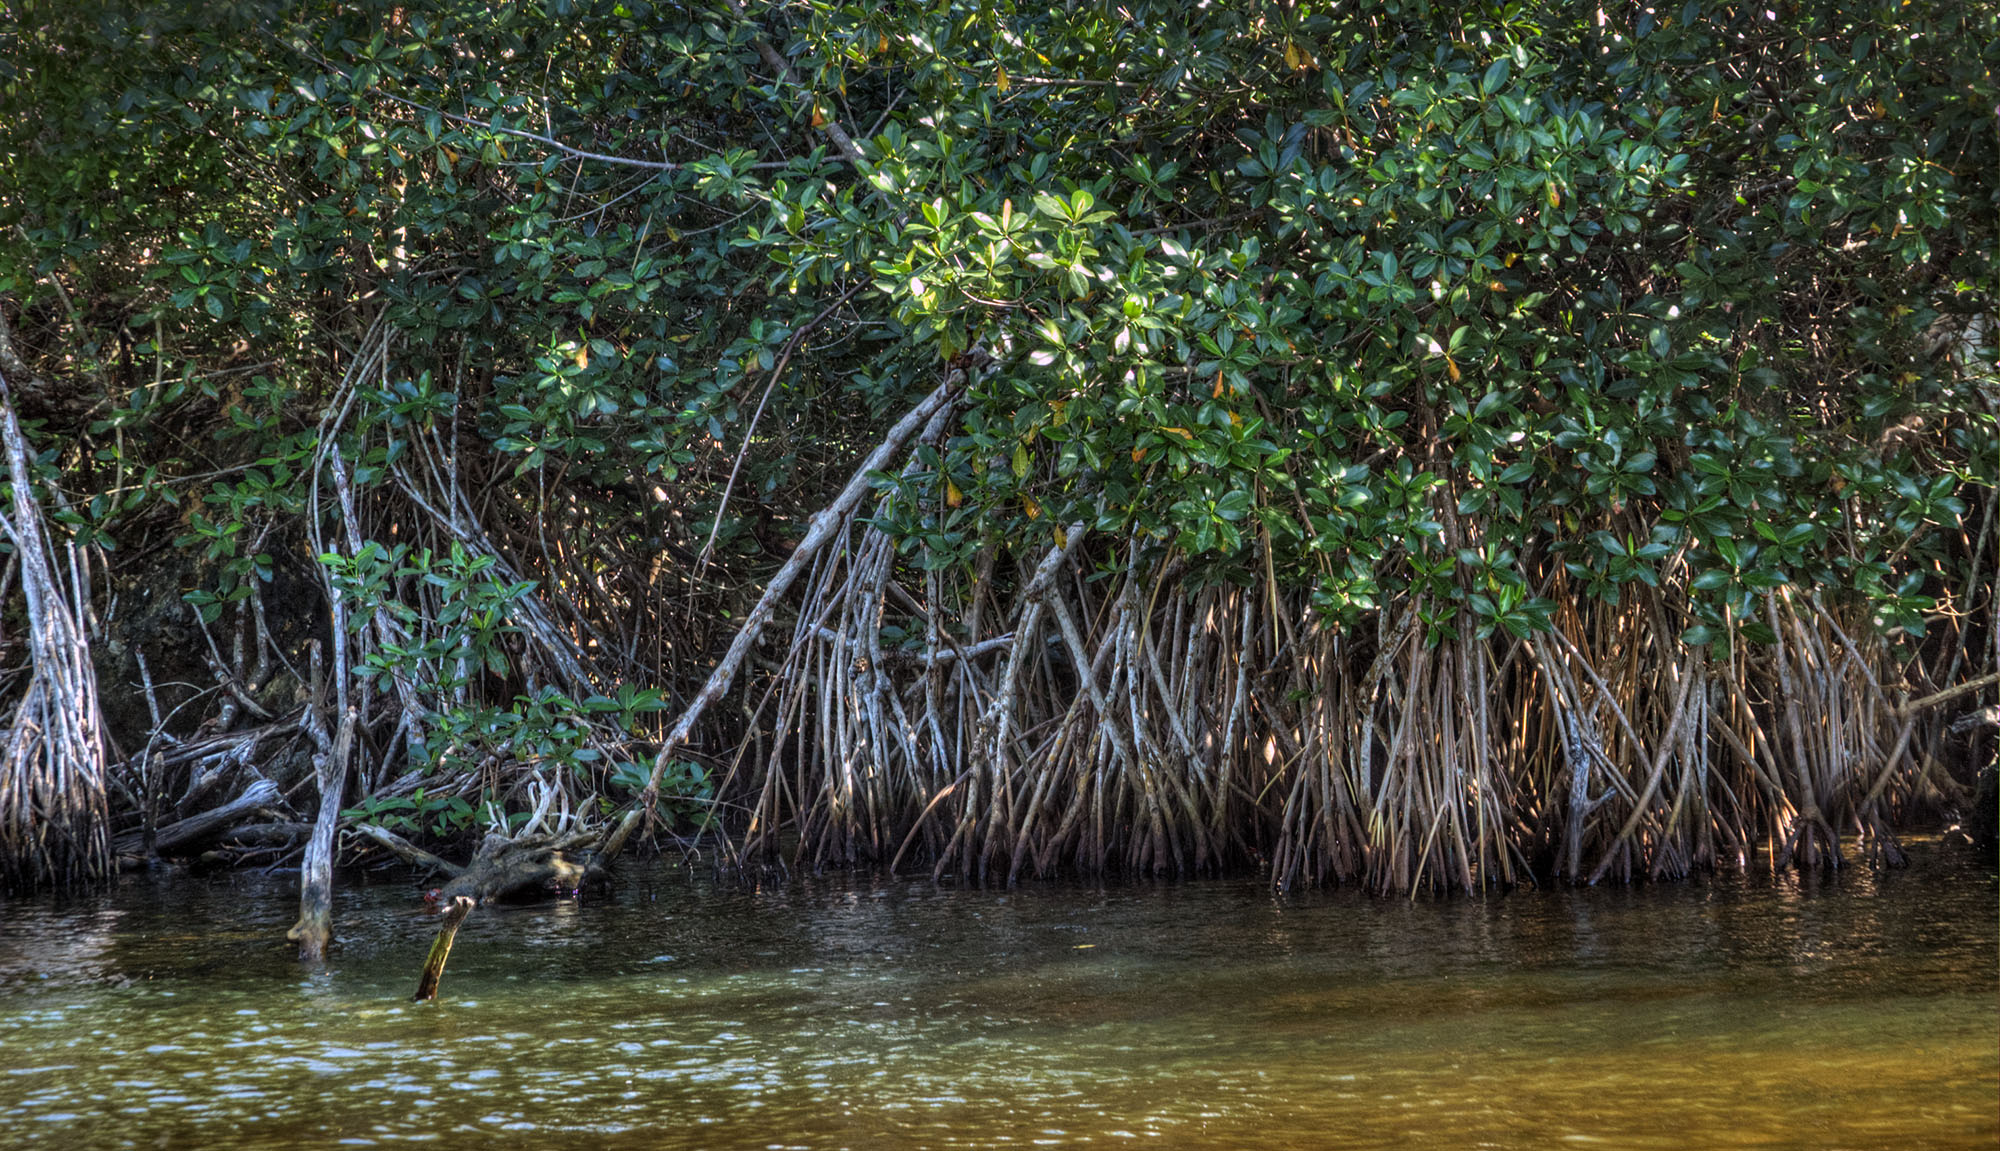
[1855, 1012]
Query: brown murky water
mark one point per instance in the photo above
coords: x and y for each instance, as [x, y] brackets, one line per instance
[1856, 1011]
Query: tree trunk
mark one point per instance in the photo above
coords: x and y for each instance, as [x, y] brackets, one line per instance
[314, 929]
[53, 815]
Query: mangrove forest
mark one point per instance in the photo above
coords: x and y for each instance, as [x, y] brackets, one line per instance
[1406, 446]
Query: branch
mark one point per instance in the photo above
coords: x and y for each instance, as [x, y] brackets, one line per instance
[842, 142]
[406, 851]
[1948, 694]
[777, 373]
[558, 145]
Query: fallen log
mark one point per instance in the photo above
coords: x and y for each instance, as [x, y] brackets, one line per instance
[502, 868]
[195, 829]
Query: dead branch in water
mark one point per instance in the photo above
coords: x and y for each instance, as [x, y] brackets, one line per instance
[427, 983]
[504, 868]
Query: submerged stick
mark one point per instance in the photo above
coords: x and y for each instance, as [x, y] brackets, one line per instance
[427, 984]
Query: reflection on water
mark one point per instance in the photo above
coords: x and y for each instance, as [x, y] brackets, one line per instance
[1850, 1011]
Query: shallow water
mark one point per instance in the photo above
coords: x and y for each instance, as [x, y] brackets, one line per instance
[1856, 1011]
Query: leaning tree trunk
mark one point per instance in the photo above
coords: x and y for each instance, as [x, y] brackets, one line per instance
[833, 522]
[53, 816]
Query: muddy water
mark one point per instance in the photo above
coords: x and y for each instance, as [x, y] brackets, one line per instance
[683, 1011]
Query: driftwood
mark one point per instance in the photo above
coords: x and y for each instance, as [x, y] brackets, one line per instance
[216, 764]
[503, 868]
[196, 829]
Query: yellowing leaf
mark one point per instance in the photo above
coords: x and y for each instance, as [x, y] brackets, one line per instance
[818, 120]
[1216, 394]
[1451, 368]
[1033, 509]
[1000, 80]
[1062, 537]
[952, 496]
[1181, 432]
[1138, 454]
[582, 356]
[1555, 197]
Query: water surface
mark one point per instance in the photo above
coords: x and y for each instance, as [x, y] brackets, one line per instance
[1855, 1011]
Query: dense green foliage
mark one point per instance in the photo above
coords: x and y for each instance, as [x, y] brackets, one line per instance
[1505, 311]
